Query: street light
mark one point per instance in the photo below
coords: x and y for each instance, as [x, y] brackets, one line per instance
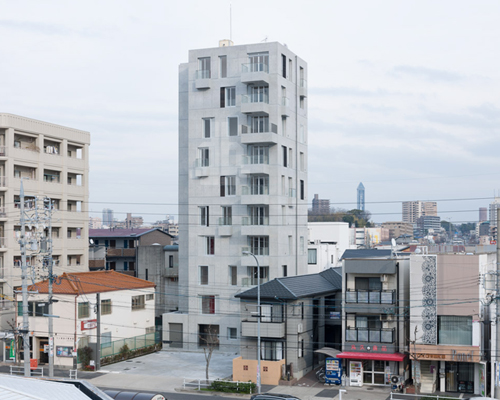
[248, 253]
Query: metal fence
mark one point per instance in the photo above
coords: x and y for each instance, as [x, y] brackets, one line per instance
[133, 343]
[199, 384]
[401, 396]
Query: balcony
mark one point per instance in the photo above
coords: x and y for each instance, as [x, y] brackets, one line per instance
[201, 168]
[255, 104]
[370, 335]
[267, 329]
[249, 137]
[2, 151]
[303, 88]
[203, 80]
[370, 296]
[258, 164]
[113, 252]
[3, 182]
[255, 73]
[225, 227]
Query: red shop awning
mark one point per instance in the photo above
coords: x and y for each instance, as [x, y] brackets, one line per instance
[372, 356]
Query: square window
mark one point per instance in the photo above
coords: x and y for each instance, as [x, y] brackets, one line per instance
[105, 307]
[83, 310]
[232, 333]
[208, 304]
[138, 302]
[245, 368]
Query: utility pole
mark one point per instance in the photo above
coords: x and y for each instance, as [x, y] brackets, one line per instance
[98, 346]
[497, 307]
[47, 203]
[24, 285]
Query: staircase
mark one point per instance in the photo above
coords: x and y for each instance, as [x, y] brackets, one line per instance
[427, 378]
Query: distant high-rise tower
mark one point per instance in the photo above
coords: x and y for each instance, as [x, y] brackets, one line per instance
[413, 210]
[361, 197]
[107, 217]
[483, 214]
[320, 206]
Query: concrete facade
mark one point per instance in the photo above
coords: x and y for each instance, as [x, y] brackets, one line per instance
[53, 161]
[412, 210]
[242, 180]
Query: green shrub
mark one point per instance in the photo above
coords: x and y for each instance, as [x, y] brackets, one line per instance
[233, 387]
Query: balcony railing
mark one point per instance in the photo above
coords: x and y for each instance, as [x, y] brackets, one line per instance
[292, 192]
[2, 151]
[259, 221]
[203, 74]
[246, 129]
[254, 190]
[303, 83]
[369, 335]
[255, 159]
[254, 67]
[255, 98]
[370, 296]
[225, 221]
[202, 162]
[3, 181]
[285, 102]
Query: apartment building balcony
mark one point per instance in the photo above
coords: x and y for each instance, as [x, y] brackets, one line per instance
[366, 335]
[255, 104]
[267, 329]
[285, 106]
[257, 73]
[255, 165]
[3, 183]
[74, 244]
[125, 253]
[225, 227]
[370, 301]
[255, 226]
[262, 255]
[75, 163]
[3, 151]
[203, 79]
[201, 168]
[249, 137]
[3, 213]
[75, 190]
[252, 197]
[3, 246]
[95, 265]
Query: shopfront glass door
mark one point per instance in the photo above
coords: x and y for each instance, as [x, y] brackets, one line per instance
[374, 372]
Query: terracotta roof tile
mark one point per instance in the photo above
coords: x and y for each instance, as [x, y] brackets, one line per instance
[91, 282]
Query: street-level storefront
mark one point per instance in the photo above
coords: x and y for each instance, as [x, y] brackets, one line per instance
[455, 368]
[371, 368]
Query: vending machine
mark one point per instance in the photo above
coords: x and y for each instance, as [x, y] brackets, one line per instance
[333, 371]
[356, 373]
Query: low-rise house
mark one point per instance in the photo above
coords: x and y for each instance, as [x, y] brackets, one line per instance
[299, 314]
[127, 310]
[374, 319]
[117, 249]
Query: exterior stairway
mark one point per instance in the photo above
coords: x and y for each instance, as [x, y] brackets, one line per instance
[427, 378]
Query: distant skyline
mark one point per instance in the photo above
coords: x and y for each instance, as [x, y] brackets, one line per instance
[403, 96]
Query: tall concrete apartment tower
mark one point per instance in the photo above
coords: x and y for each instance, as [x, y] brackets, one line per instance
[361, 197]
[413, 210]
[242, 183]
[53, 161]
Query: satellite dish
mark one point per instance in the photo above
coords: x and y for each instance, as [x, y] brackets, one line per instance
[393, 242]
[91, 241]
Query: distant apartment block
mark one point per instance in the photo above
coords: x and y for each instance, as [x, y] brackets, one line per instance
[320, 206]
[52, 161]
[412, 210]
[107, 217]
[95, 223]
[483, 214]
[133, 221]
[428, 222]
[398, 229]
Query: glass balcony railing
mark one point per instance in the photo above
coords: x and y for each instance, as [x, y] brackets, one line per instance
[255, 159]
[248, 129]
[285, 101]
[254, 67]
[255, 190]
[303, 83]
[370, 296]
[255, 98]
[259, 221]
[203, 74]
[225, 221]
[370, 335]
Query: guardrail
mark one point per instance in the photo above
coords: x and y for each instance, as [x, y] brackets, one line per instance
[198, 384]
[403, 396]
[16, 370]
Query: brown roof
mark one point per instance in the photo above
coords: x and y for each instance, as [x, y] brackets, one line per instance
[91, 282]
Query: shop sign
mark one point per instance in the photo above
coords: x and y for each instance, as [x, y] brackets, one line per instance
[89, 324]
[369, 347]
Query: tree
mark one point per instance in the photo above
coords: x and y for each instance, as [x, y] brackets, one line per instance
[209, 336]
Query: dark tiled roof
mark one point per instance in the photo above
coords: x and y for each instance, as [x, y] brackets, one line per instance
[295, 287]
[365, 253]
[112, 233]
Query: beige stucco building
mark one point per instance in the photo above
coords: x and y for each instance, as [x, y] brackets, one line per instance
[52, 161]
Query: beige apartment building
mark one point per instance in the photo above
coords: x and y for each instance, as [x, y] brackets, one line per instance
[51, 161]
[412, 210]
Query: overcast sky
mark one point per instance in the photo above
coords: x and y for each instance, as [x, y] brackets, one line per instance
[404, 96]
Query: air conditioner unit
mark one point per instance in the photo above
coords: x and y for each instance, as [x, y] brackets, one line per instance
[383, 278]
[385, 317]
[396, 379]
[300, 328]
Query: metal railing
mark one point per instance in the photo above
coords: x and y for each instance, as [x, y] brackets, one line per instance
[285, 102]
[199, 384]
[3, 181]
[370, 296]
[254, 67]
[133, 343]
[247, 129]
[19, 370]
[369, 335]
[2, 150]
[224, 221]
[260, 221]
[402, 396]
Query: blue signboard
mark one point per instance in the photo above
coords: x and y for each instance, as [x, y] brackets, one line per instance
[333, 370]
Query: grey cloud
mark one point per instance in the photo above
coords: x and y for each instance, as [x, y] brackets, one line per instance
[487, 111]
[430, 74]
[43, 28]
[348, 91]
[462, 119]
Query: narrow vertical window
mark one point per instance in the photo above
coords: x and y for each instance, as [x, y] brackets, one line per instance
[290, 157]
[232, 126]
[210, 245]
[207, 127]
[233, 275]
[302, 190]
[301, 161]
[204, 68]
[204, 216]
[283, 125]
[203, 275]
[285, 270]
[227, 96]
[223, 66]
[290, 74]
[285, 153]
[283, 65]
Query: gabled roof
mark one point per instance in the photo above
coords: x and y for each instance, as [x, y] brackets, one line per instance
[115, 233]
[365, 253]
[91, 282]
[296, 287]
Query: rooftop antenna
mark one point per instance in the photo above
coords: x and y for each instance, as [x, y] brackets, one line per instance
[265, 40]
